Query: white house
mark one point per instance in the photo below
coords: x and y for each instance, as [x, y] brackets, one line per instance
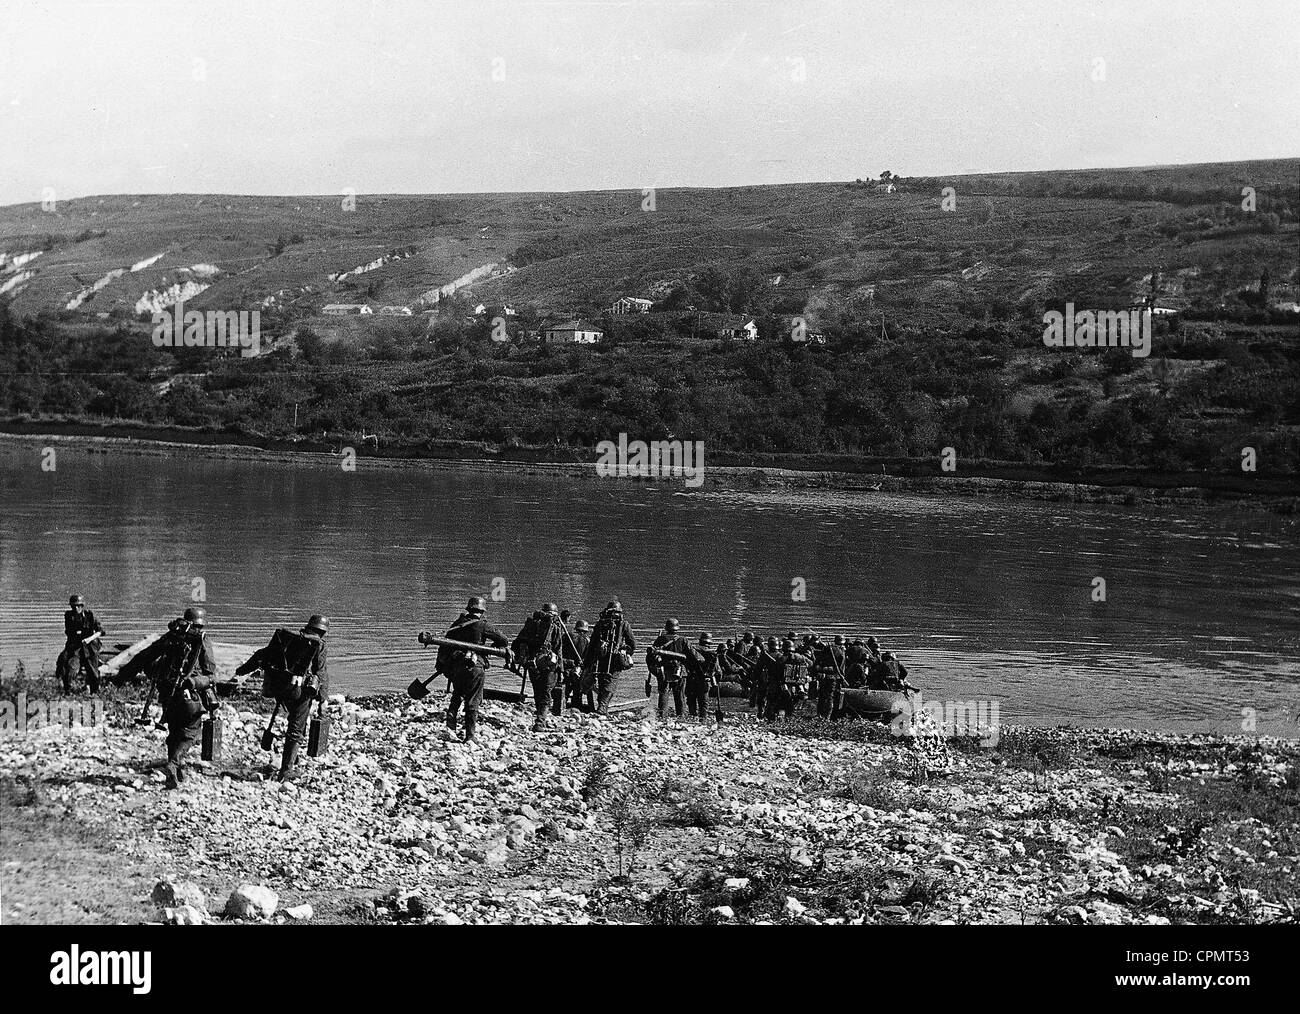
[573, 331]
[394, 311]
[346, 309]
[631, 304]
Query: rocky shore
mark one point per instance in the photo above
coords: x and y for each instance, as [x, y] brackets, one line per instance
[628, 819]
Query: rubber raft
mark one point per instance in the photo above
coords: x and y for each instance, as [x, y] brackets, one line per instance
[876, 705]
[227, 655]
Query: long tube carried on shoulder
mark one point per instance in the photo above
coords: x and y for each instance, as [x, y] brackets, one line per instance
[661, 653]
[479, 649]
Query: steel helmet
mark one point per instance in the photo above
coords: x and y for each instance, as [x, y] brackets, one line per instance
[787, 644]
[615, 607]
[771, 642]
[76, 600]
[839, 638]
[706, 638]
[196, 615]
[318, 623]
[749, 636]
[550, 609]
[872, 643]
[888, 656]
[475, 605]
[580, 626]
[671, 624]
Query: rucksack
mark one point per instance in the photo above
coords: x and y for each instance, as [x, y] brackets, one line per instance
[290, 659]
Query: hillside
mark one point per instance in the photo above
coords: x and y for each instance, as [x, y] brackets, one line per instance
[933, 317]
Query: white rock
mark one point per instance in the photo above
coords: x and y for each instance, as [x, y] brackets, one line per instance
[736, 883]
[724, 911]
[303, 911]
[251, 901]
[793, 906]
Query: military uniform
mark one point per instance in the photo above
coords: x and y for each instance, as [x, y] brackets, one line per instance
[669, 674]
[828, 664]
[466, 669]
[77, 626]
[702, 673]
[575, 646]
[186, 695]
[539, 646]
[608, 653]
[305, 658]
[788, 677]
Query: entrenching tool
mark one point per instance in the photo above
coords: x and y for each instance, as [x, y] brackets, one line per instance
[268, 738]
[478, 649]
[148, 704]
[420, 688]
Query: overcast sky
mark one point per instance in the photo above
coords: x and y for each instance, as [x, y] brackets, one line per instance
[421, 96]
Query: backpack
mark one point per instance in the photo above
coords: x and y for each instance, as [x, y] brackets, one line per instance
[290, 657]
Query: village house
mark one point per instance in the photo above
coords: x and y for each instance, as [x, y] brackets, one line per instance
[346, 309]
[394, 311]
[578, 331]
[630, 304]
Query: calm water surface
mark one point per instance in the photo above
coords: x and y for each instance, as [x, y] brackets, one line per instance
[987, 599]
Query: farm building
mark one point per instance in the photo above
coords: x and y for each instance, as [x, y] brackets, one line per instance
[346, 309]
[394, 311]
[631, 304]
[573, 331]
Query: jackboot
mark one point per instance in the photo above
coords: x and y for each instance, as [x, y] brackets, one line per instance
[539, 723]
[451, 719]
[286, 762]
[470, 722]
[169, 772]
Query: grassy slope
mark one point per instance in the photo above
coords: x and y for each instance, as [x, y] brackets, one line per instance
[827, 240]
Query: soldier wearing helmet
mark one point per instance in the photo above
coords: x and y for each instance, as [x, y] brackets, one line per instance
[185, 687]
[702, 674]
[609, 652]
[82, 634]
[669, 673]
[788, 677]
[539, 645]
[466, 669]
[829, 667]
[581, 692]
[296, 673]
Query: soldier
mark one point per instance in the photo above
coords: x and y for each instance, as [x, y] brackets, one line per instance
[887, 673]
[669, 674]
[765, 658]
[828, 664]
[856, 658]
[539, 646]
[701, 676]
[82, 633]
[300, 664]
[609, 653]
[575, 646]
[467, 669]
[787, 681]
[185, 690]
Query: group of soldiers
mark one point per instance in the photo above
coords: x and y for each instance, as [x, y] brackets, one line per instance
[180, 669]
[580, 666]
[577, 668]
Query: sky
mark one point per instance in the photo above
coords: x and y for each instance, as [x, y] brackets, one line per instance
[391, 96]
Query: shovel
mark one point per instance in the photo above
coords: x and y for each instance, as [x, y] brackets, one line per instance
[420, 688]
[268, 738]
[717, 714]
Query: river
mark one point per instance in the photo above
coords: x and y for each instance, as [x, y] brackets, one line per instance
[983, 598]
